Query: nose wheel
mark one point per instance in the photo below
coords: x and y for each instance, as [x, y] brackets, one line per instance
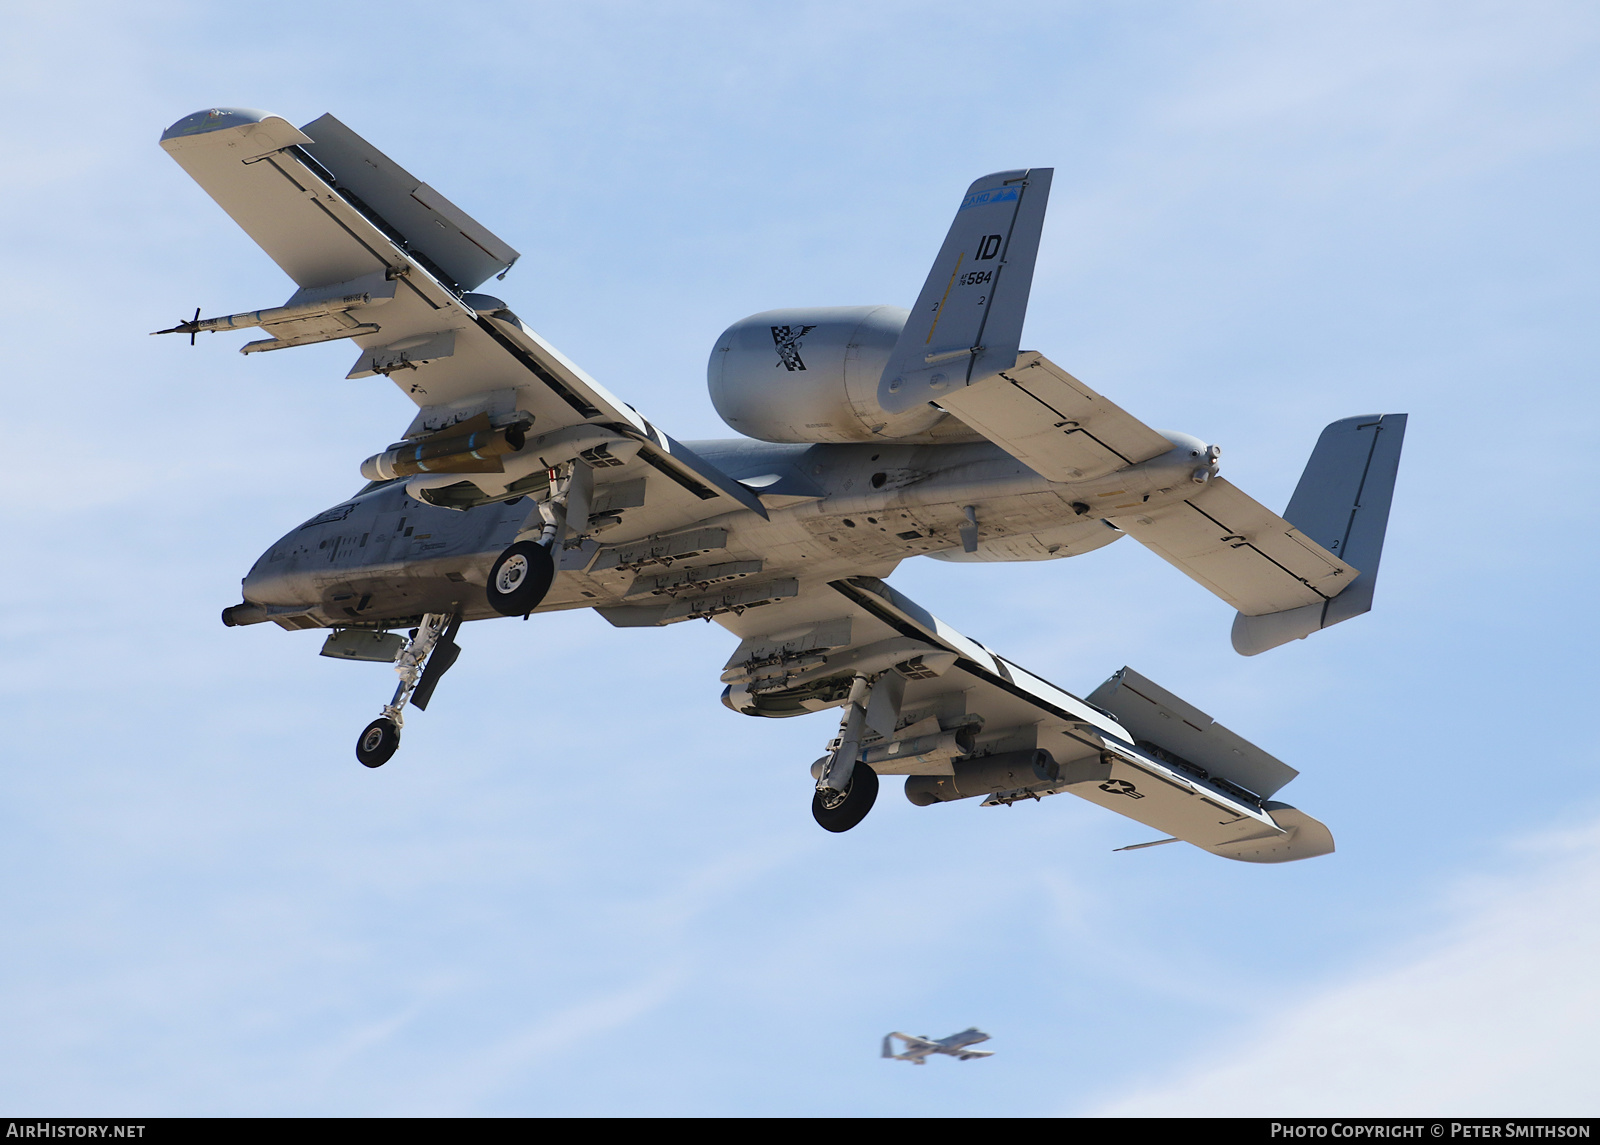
[379, 740]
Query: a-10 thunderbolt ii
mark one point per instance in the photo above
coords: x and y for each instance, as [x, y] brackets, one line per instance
[917, 1049]
[873, 434]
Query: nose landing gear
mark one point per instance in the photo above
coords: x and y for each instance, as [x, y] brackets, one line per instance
[426, 656]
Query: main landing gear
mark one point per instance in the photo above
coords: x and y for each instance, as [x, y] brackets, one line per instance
[520, 578]
[846, 787]
[841, 810]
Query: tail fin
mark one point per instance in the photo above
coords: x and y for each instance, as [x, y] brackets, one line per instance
[967, 323]
[1342, 503]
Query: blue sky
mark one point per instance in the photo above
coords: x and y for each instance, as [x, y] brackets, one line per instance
[584, 887]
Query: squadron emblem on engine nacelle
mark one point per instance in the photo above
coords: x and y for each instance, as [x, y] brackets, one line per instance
[787, 339]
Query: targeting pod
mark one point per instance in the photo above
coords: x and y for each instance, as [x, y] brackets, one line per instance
[903, 755]
[471, 446]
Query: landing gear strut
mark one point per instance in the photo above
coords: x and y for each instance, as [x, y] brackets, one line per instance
[520, 578]
[427, 656]
[846, 787]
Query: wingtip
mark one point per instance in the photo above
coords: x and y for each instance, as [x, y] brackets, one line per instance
[213, 119]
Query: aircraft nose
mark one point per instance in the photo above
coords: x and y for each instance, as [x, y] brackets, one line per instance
[274, 579]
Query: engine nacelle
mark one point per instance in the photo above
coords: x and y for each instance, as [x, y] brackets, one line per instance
[811, 375]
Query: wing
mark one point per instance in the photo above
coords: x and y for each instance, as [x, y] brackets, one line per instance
[386, 262]
[960, 721]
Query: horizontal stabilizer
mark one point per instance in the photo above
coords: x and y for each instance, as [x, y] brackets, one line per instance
[1342, 503]
[1053, 423]
[1240, 550]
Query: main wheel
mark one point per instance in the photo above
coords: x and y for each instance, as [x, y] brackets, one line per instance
[379, 740]
[846, 810]
[520, 578]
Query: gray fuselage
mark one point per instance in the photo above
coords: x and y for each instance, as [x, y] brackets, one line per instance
[382, 559]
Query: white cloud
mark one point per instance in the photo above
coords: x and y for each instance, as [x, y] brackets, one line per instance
[1495, 1017]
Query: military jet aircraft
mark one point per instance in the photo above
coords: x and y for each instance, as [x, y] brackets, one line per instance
[918, 1049]
[873, 434]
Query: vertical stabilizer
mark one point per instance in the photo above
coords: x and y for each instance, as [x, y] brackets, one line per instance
[1342, 503]
[967, 323]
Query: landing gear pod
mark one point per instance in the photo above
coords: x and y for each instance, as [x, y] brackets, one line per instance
[520, 578]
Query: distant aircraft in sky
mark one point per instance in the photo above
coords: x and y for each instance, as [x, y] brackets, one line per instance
[918, 1049]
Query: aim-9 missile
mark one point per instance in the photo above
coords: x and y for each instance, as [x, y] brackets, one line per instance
[249, 319]
[296, 322]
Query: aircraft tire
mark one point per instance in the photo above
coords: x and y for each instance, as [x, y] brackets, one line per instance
[379, 740]
[519, 579]
[859, 797]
